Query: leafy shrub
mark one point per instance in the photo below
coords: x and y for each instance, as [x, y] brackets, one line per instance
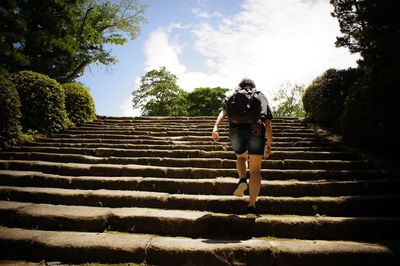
[79, 103]
[324, 98]
[10, 128]
[370, 115]
[42, 102]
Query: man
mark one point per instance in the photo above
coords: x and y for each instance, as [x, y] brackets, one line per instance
[250, 140]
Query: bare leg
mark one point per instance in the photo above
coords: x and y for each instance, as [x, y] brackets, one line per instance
[255, 178]
[241, 165]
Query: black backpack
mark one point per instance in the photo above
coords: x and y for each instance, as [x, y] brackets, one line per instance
[244, 106]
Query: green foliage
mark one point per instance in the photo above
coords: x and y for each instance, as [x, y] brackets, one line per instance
[206, 101]
[42, 102]
[79, 103]
[10, 128]
[159, 95]
[289, 101]
[324, 98]
[61, 38]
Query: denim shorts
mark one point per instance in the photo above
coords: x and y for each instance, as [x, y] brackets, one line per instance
[247, 138]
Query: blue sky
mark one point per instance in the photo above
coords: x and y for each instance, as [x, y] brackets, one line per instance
[210, 43]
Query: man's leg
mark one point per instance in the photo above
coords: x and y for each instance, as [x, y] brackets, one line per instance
[241, 166]
[255, 179]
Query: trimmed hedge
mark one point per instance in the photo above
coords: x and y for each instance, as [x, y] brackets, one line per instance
[79, 103]
[324, 98]
[10, 128]
[42, 102]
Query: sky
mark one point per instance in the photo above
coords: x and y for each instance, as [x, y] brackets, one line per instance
[216, 43]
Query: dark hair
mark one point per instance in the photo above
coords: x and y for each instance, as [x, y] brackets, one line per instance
[247, 83]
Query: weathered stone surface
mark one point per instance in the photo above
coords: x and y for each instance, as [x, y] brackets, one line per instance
[165, 177]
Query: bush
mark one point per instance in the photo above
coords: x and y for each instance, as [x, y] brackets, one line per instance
[79, 103]
[324, 98]
[42, 102]
[10, 128]
[370, 115]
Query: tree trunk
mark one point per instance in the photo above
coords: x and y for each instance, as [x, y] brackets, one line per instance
[77, 71]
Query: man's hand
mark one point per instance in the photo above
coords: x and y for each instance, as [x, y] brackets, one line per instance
[267, 152]
[215, 135]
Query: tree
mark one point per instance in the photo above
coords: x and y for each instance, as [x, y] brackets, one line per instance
[159, 95]
[289, 101]
[372, 28]
[61, 38]
[101, 23]
[206, 101]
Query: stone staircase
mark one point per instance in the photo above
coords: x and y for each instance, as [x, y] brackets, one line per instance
[158, 191]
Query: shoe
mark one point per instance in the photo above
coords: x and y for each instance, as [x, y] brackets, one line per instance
[242, 186]
[251, 212]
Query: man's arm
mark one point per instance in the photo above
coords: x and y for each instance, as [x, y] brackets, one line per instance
[220, 118]
[268, 136]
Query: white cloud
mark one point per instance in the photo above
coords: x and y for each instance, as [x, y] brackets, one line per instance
[270, 41]
[176, 25]
[126, 108]
[273, 42]
[160, 50]
[205, 15]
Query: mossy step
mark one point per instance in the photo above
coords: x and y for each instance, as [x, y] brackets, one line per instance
[216, 186]
[83, 247]
[350, 206]
[194, 224]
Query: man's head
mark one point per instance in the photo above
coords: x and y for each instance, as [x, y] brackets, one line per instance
[247, 83]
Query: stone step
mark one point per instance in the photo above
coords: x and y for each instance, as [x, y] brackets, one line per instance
[80, 169]
[194, 224]
[277, 135]
[186, 131]
[110, 247]
[278, 146]
[174, 137]
[177, 127]
[207, 147]
[160, 119]
[345, 206]
[163, 176]
[295, 145]
[193, 153]
[155, 140]
[215, 186]
[203, 136]
[190, 162]
[189, 120]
